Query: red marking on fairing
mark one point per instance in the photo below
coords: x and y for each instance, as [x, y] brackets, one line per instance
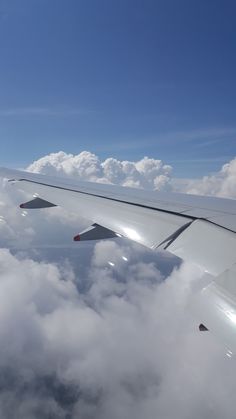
[77, 238]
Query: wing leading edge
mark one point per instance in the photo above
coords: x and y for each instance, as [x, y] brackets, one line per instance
[185, 225]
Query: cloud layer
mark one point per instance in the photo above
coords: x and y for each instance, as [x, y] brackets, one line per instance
[104, 330]
[125, 347]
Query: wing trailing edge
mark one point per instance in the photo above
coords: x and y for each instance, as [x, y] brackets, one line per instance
[215, 308]
[197, 229]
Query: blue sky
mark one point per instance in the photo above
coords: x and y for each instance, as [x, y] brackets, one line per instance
[122, 78]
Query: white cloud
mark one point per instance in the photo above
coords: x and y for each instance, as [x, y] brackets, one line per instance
[220, 184]
[34, 111]
[125, 349]
[85, 338]
[145, 173]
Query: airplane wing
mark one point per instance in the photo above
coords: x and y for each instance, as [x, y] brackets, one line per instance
[196, 228]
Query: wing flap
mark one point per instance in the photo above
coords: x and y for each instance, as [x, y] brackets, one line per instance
[215, 307]
[206, 244]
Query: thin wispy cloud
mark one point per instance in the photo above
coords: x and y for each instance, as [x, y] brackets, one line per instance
[209, 134]
[199, 138]
[201, 160]
[42, 112]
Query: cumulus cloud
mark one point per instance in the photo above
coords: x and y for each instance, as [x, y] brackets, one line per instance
[103, 331]
[145, 173]
[125, 347]
[219, 184]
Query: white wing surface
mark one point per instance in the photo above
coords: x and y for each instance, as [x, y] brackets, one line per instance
[195, 228]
